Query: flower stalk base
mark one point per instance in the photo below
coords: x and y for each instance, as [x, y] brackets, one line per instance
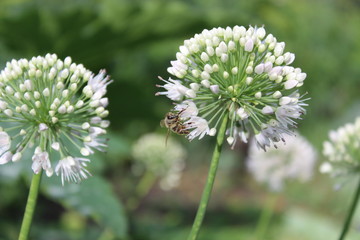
[350, 213]
[210, 181]
[30, 206]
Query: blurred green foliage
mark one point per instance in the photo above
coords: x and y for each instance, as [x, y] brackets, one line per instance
[135, 40]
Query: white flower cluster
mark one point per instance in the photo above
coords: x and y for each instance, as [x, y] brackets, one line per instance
[342, 150]
[52, 107]
[164, 161]
[240, 73]
[293, 160]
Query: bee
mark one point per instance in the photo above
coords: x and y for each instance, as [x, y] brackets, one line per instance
[173, 123]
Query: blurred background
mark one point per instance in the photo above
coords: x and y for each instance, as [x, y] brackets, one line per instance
[134, 41]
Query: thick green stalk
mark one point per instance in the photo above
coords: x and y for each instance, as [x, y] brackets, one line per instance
[350, 213]
[30, 206]
[210, 181]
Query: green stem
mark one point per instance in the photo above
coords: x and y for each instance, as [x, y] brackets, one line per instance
[142, 189]
[210, 181]
[30, 206]
[350, 213]
[266, 214]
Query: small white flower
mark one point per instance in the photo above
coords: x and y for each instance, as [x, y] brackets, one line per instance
[175, 90]
[72, 169]
[198, 126]
[187, 109]
[41, 161]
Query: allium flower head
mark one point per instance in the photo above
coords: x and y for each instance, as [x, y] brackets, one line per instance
[52, 107]
[166, 162]
[293, 160]
[343, 150]
[240, 73]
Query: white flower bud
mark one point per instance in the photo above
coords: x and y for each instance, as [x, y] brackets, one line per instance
[284, 101]
[234, 70]
[104, 123]
[8, 112]
[60, 85]
[249, 45]
[16, 157]
[84, 152]
[9, 90]
[73, 86]
[46, 92]
[249, 70]
[67, 61]
[36, 95]
[205, 83]
[212, 132]
[215, 68]
[32, 112]
[204, 57]
[3, 105]
[104, 102]
[215, 89]
[259, 69]
[55, 146]
[28, 85]
[190, 93]
[267, 110]
[70, 109]
[277, 94]
[249, 80]
[85, 126]
[38, 104]
[289, 84]
[64, 73]
[226, 75]
[62, 109]
[79, 104]
[258, 95]
[194, 86]
[43, 127]
[230, 140]
[242, 113]
[104, 114]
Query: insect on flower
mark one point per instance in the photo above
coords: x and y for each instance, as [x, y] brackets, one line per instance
[174, 123]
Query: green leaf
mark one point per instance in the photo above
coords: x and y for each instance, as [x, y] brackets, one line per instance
[94, 198]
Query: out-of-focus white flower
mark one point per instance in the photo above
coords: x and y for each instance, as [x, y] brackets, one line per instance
[164, 161]
[56, 106]
[240, 73]
[293, 160]
[342, 150]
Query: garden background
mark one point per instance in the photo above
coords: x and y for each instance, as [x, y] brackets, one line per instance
[134, 41]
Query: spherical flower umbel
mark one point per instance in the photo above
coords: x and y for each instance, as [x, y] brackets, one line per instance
[293, 160]
[55, 109]
[342, 150]
[164, 161]
[240, 73]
